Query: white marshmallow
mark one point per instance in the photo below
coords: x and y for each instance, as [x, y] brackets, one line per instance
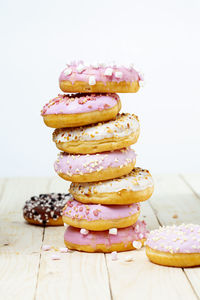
[118, 74]
[63, 250]
[68, 71]
[113, 231]
[108, 72]
[92, 80]
[84, 231]
[137, 244]
[114, 255]
[46, 247]
[80, 68]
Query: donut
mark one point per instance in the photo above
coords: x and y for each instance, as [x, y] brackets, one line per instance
[175, 246]
[80, 109]
[111, 135]
[99, 217]
[137, 186]
[99, 78]
[103, 241]
[95, 167]
[45, 209]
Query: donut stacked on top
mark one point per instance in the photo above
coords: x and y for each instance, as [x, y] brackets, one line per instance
[95, 139]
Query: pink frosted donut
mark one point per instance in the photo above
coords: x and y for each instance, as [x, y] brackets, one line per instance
[177, 246]
[99, 78]
[125, 239]
[99, 217]
[80, 109]
[95, 167]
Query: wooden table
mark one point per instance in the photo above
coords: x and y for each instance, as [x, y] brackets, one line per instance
[26, 272]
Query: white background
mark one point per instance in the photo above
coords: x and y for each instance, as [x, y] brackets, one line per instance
[162, 39]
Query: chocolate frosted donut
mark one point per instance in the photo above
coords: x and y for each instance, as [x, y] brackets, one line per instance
[45, 209]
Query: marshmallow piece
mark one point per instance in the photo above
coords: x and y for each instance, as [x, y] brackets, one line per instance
[114, 255]
[141, 235]
[92, 80]
[131, 66]
[113, 231]
[68, 71]
[84, 231]
[63, 249]
[95, 65]
[118, 74]
[65, 224]
[46, 247]
[80, 68]
[137, 244]
[108, 72]
[128, 258]
[55, 257]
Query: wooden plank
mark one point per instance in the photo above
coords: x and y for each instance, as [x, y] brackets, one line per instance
[144, 280]
[2, 186]
[20, 243]
[193, 274]
[76, 275]
[174, 196]
[193, 181]
[174, 202]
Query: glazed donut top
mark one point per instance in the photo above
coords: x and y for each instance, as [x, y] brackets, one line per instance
[44, 207]
[137, 180]
[124, 235]
[92, 212]
[176, 239]
[79, 103]
[124, 125]
[87, 163]
[78, 71]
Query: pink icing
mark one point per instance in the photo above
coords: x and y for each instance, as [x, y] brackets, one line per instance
[91, 212]
[176, 239]
[124, 235]
[79, 103]
[128, 74]
[88, 163]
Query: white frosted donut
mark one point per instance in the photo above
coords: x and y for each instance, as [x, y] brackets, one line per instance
[135, 187]
[107, 136]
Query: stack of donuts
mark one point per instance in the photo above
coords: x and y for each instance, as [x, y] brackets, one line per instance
[94, 138]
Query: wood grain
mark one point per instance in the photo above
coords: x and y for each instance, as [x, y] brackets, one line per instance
[20, 243]
[76, 275]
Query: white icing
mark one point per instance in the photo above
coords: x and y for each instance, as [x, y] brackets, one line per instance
[137, 180]
[124, 125]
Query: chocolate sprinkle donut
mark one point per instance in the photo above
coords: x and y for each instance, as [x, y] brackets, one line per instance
[45, 208]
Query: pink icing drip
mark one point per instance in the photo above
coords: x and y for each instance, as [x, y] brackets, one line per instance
[79, 103]
[128, 74]
[176, 239]
[76, 164]
[91, 212]
[93, 238]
